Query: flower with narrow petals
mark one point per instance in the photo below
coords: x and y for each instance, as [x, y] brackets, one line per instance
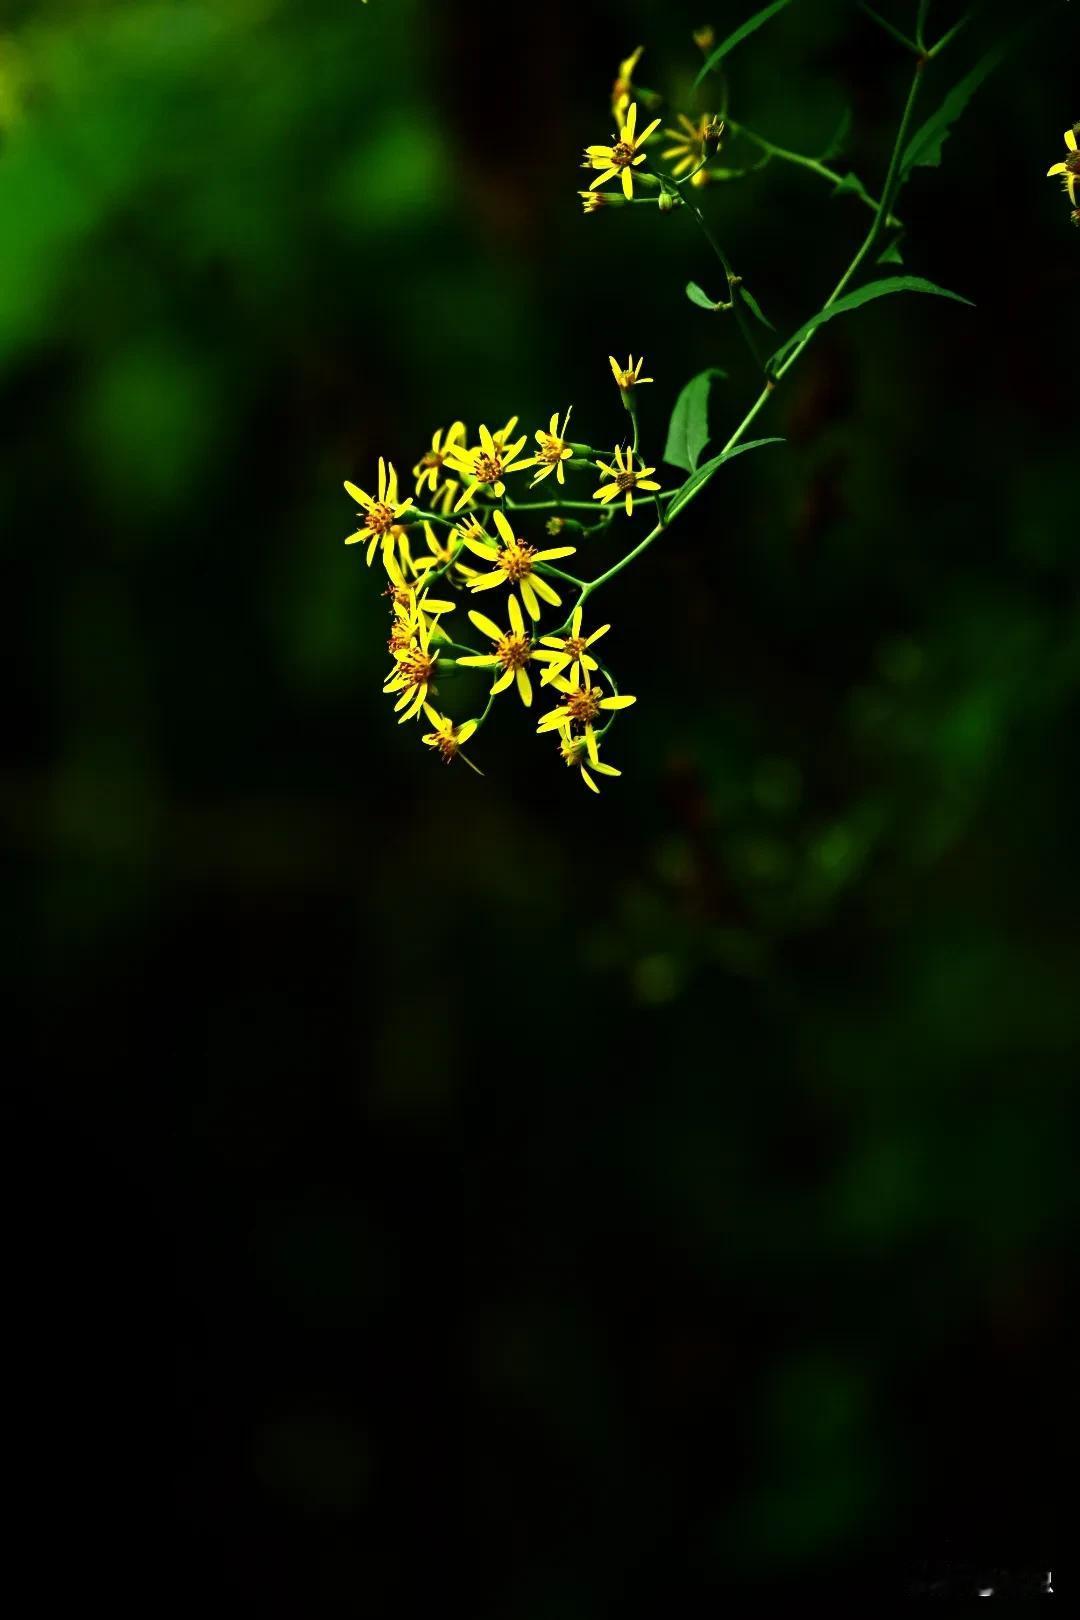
[413, 673]
[623, 156]
[593, 201]
[1070, 168]
[486, 465]
[584, 753]
[630, 376]
[554, 449]
[625, 479]
[446, 553]
[412, 611]
[428, 470]
[570, 650]
[582, 705]
[692, 143]
[623, 87]
[379, 515]
[447, 738]
[515, 564]
[513, 650]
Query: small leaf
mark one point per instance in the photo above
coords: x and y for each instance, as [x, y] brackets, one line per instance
[851, 183]
[755, 308]
[862, 295]
[729, 44]
[699, 297]
[688, 431]
[700, 478]
[892, 254]
[924, 147]
[839, 140]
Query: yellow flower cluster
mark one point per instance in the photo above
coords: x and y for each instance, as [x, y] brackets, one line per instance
[463, 509]
[1069, 169]
[691, 145]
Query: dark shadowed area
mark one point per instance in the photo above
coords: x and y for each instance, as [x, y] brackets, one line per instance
[588, 1204]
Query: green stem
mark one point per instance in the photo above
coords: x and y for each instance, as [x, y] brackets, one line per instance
[732, 281]
[814, 165]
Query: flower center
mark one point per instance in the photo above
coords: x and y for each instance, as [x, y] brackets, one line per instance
[584, 704]
[380, 518]
[513, 651]
[622, 153]
[574, 646]
[551, 450]
[418, 667]
[1072, 163]
[488, 469]
[626, 480]
[432, 458]
[572, 750]
[517, 560]
[447, 746]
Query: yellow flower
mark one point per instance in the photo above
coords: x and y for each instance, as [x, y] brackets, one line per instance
[513, 650]
[1070, 168]
[625, 480]
[411, 612]
[554, 449]
[583, 705]
[623, 86]
[430, 465]
[705, 37]
[576, 750]
[593, 201]
[487, 464]
[515, 565]
[570, 650]
[692, 141]
[447, 738]
[413, 673]
[380, 516]
[631, 377]
[444, 553]
[623, 156]
[502, 438]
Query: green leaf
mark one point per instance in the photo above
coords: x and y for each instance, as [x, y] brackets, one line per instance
[755, 308]
[700, 478]
[862, 295]
[925, 145]
[729, 44]
[892, 254]
[688, 430]
[852, 183]
[699, 297]
[839, 140]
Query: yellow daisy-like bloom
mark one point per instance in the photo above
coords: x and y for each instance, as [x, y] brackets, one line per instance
[623, 87]
[447, 738]
[583, 705]
[691, 142]
[445, 553]
[553, 450]
[515, 562]
[571, 650]
[630, 376]
[411, 610]
[576, 751]
[413, 673]
[623, 156]
[625, 480]
[429, 468]
[485, 466]
[593, 201]
[513, 651]
[1070, 168]
[380, 515]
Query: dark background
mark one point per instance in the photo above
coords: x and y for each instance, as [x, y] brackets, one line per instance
[583, 1203]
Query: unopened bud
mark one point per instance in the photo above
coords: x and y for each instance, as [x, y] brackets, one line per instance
[666, 202]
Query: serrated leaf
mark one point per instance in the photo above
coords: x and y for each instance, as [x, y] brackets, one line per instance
[698, 296]
[751, 26]
[924, 147]
[688, 430]
[862, 295]
[697, 480]
[755, 308]
[839, 139]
